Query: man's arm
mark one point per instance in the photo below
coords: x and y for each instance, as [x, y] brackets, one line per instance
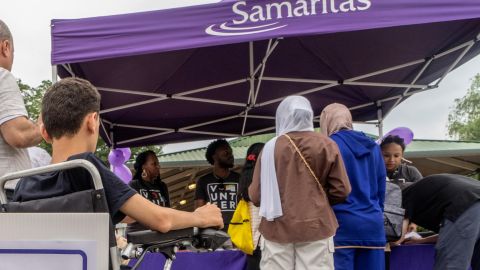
[405, 223]
[427, 240]
[165, 219]
[412, 227]
[20, 132]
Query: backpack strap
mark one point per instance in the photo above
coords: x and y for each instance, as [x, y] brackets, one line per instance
[303, 159]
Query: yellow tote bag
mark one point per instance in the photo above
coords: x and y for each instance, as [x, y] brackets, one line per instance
[240, 229]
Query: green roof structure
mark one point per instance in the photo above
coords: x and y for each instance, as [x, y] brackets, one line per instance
[418, 148]
[181, 169]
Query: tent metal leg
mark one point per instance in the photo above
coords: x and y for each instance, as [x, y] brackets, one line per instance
[54, 74]
[380, 119]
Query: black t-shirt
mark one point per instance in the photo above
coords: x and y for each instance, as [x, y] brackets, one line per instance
[65, 182]
[403, 175]
[437, 197]
[222, 192]
[156, 192]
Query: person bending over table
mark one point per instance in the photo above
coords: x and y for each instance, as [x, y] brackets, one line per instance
[449, 205]
[70, 110]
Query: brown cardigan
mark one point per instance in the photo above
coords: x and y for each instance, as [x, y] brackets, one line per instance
[307, 213]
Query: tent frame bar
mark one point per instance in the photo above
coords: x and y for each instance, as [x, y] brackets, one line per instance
[256, 76]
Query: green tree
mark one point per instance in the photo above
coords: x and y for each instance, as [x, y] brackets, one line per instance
[464, 118]
[32, 97]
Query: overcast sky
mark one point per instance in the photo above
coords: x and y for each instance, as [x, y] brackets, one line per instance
[29, 20]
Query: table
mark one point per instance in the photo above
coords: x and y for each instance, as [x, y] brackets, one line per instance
[411, 257]
[218, 260]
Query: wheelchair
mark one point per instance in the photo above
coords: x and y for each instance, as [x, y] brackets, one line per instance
[93, 201]
[143, 242]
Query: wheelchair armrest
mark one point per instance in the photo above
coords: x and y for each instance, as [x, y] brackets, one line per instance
[201, 238]
[149, 237]
[211, 239]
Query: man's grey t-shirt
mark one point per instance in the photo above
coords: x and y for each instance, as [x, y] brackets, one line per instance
[11, 103]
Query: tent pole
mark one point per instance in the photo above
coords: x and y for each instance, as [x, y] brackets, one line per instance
[380, 119]
[309, 91]
[269, 51]
[452, 66]
[111, 137]
[144, 137]
[392, 98]
[54, 74]
[419, 74]
[106, 133]
[252, 75]
[68, 68]
[250, 101]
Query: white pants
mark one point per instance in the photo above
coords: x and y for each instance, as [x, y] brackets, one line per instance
[317, 255]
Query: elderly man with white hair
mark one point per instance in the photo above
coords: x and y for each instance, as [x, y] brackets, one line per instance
[299, 176]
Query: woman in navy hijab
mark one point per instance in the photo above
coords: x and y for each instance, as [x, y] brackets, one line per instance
[360, 238]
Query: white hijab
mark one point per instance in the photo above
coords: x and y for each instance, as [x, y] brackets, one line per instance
[293, 114]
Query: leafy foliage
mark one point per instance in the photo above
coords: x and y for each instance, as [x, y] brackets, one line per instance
[464, 118]
[32, 97]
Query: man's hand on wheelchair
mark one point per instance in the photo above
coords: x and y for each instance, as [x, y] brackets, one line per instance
[210, 215]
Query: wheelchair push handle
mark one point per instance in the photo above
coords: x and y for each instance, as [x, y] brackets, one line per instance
[97, 182]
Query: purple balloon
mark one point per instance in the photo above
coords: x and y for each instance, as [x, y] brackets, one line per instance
[116, 157]
[403, 132]
[123, 172]
[126, 152]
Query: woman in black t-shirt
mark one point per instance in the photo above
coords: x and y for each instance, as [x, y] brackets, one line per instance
[148, 184]
[146, 180]
[399, 173]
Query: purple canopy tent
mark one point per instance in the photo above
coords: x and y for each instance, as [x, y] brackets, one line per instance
[220, 70]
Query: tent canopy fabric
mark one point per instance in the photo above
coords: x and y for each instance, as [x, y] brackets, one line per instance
[220, 70]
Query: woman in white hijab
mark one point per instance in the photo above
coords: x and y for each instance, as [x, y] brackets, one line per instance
[299, 176]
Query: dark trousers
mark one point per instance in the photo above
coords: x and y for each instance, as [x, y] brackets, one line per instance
[458, 243]
[253, 261]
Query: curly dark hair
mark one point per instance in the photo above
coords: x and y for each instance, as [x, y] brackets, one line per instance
[393, 139]
[139, 161]
[247, 171]
[212, 147]
[65, 105]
